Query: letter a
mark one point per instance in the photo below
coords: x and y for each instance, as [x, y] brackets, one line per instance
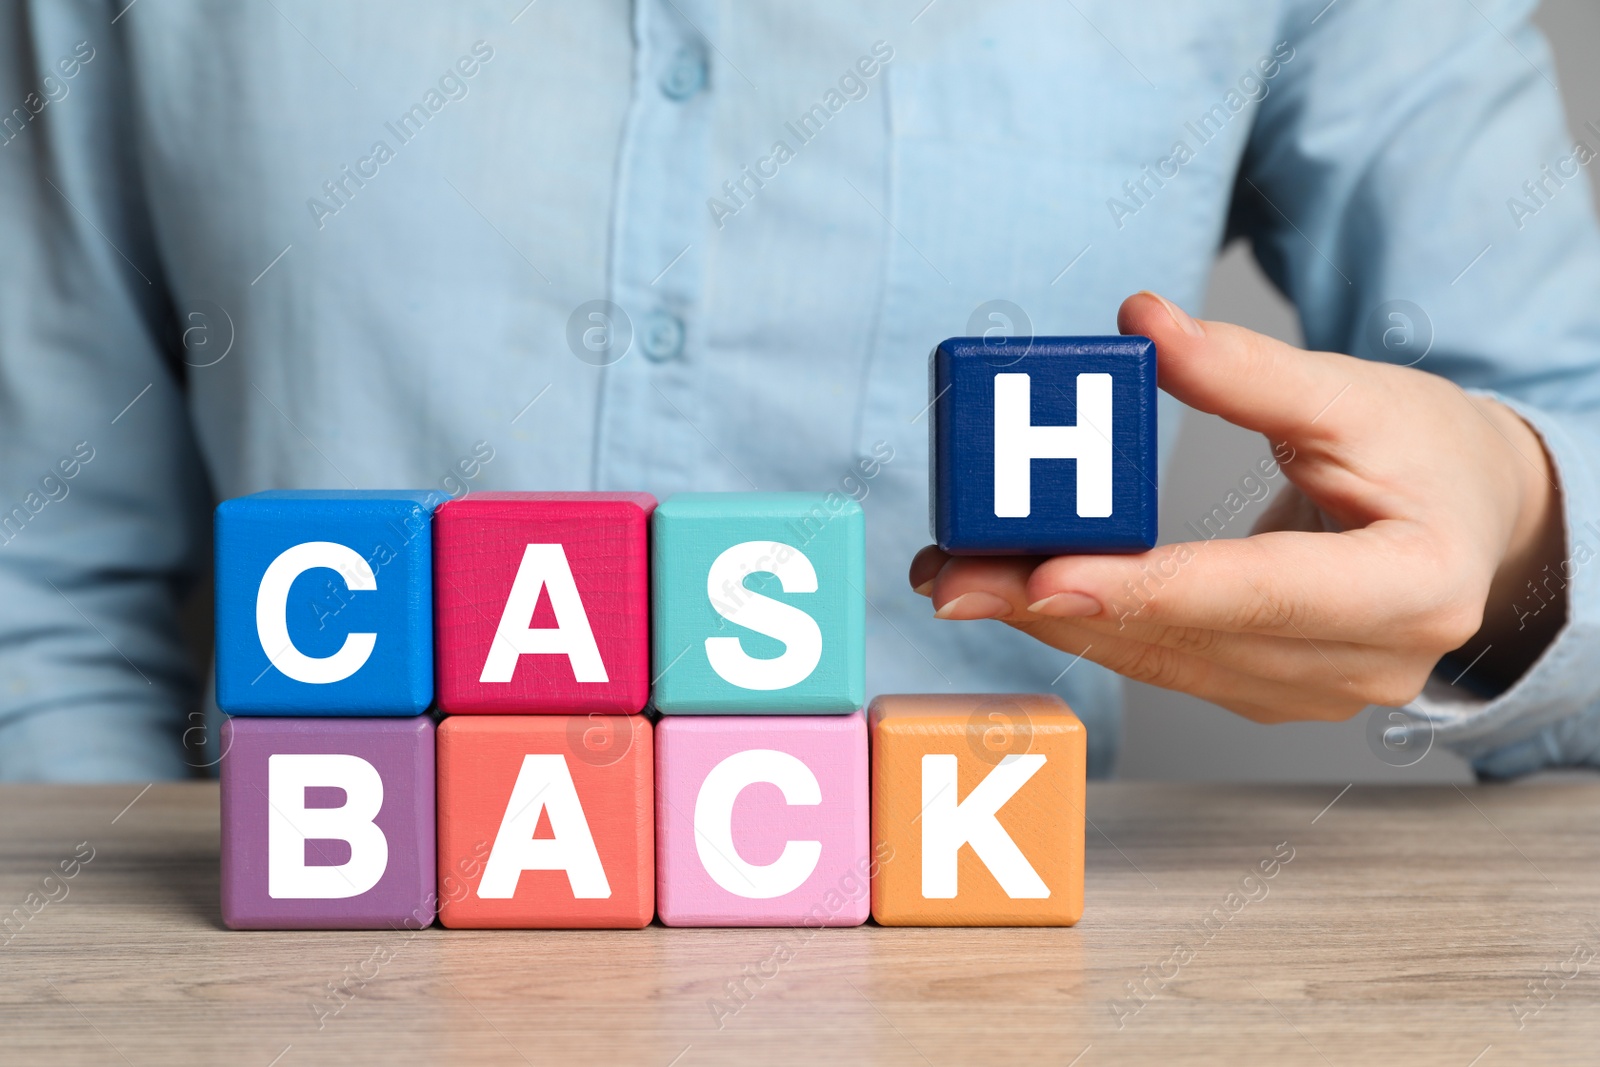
[544, 566]
[544, 784]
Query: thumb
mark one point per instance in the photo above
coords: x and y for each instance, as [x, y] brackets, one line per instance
[1248, 378]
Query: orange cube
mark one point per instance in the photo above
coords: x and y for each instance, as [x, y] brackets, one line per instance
[977, 810]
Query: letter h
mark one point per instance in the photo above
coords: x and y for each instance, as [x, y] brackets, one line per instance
[1017, 443]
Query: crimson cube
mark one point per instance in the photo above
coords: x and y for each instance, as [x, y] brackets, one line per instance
[541, 603]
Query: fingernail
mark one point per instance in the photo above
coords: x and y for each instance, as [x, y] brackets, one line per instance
[969, 606]
[925, 567]
[1180, 317]
[1066, 606]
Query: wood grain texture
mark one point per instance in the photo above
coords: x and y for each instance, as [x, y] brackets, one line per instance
[479, 547]
[609, 763]
[1406, 929]
[984, 736]
[961, 385]
[700, 877]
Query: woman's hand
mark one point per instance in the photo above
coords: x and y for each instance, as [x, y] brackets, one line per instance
[1414, 517]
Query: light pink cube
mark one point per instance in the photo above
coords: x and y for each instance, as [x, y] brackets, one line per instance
[762, 820]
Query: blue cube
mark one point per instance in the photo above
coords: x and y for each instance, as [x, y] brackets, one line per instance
[757, 604]
[324, 603]
[1043, 448]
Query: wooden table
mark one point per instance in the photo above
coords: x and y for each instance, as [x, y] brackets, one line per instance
[1415, 925]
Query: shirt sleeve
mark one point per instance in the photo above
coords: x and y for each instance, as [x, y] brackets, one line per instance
[102, 497]
[1411, 184]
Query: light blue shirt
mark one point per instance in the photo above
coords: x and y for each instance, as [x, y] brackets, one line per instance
[253, 245]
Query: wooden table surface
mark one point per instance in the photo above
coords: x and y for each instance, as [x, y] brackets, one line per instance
[1411, 925]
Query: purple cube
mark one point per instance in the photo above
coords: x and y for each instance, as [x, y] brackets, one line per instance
[327, 824]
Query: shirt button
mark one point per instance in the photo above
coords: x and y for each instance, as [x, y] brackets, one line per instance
[662, 336]
[685, 75]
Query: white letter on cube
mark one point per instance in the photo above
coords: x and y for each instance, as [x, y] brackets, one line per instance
[946, 826]
[799, 632]
[713, 824]
[272, 612]
[544, 784]
[290, 824]
[544, 567]
[1017, 443]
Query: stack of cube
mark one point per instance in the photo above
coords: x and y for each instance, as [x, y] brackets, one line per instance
[541, 629]
[657, 711]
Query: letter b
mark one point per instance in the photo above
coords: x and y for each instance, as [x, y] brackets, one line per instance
[290, 824]
[327, 824]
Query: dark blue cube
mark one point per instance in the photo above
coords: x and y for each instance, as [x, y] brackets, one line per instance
[324, 603]
[1043, 447]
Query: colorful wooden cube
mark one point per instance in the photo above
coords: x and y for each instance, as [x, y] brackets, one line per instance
[762, 820]
[543, 602]
[1044, 449]
[327, 823]
[546, 821]
[757, 604]
[977, 811]
[324, 603]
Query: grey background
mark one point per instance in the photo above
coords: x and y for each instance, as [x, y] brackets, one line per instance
[1172, 736]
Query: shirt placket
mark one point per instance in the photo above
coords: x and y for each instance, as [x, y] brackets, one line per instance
[650, 431]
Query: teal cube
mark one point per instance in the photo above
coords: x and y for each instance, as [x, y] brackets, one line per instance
[757, 604]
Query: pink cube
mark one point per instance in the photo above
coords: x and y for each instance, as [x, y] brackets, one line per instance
[762, 820]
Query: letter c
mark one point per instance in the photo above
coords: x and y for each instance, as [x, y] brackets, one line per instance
[713, 824]
[272, 612]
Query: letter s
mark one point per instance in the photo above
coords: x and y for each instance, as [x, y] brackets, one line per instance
[798, 631]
